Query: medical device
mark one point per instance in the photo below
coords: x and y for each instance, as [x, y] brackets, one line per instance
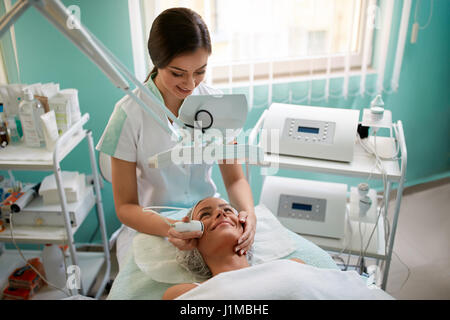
[377, 116]
[37, 213]
[25, 199]
[313, 132]
[193, 225]
[306, 206]
[363, 204]
[55, 12]
[212, 123]
[221, 112]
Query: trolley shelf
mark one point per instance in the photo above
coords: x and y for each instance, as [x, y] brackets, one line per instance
[65, 218]
[21, 157]
[90, 264]
[362, 165]
[24, 233]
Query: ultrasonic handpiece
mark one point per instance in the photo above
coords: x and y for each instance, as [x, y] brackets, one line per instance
[179, 226]
[364, 201]
[193, 225]
[364, 205]
[363, 189]
[149, 210]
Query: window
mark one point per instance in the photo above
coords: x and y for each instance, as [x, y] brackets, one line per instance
[258, 40]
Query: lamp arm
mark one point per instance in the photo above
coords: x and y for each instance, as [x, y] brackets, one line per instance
[12, 15]
[55, 12]
[136, 82]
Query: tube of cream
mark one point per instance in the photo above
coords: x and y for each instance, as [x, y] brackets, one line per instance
[50, 129]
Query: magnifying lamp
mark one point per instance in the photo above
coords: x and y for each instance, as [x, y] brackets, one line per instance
[221, 112]
[212, 124]
[213, 112]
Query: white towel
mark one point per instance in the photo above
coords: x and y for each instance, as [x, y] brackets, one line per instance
[285, 280]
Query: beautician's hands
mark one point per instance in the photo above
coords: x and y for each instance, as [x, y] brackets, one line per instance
[246, 240]
[184, 240]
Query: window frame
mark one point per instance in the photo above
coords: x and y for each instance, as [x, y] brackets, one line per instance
[278, 69]
[288, 69]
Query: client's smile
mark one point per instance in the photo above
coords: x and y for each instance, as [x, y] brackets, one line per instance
[221, 221]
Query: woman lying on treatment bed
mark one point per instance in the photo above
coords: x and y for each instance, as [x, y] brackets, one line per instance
[232, 276]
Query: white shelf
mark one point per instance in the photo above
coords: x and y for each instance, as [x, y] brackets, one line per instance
[362, 165]
[90, 264]
[20, 157]
[31, 234]
[77, 210]
[352, 240]
[24, 233]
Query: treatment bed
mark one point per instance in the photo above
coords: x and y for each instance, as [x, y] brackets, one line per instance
[142, 275]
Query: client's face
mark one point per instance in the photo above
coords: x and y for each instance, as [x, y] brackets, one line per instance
[221, 224]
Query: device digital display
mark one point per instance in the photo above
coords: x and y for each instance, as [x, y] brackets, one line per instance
[308, 130]
[301, 206]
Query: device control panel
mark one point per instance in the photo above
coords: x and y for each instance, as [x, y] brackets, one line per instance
[309, 131]
[304, 208]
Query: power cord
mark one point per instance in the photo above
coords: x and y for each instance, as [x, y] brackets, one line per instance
[409, 272]
[26, 262]
[338, 256]
[416, 12]
[372, 149]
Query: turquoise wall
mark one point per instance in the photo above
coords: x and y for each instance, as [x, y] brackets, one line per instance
[422, 101]
[45, 55]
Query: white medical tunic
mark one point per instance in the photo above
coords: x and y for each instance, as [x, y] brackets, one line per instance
[133, 135]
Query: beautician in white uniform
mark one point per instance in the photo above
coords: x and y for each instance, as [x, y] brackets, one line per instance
[179, 46]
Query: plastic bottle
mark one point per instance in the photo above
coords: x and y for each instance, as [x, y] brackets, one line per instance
[30, 110]
[15, 133]
[2, 190]
[60, 103]
[4, 136]
[53, 260]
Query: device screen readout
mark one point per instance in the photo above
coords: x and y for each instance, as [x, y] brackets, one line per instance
[308, 130]
[301, 206]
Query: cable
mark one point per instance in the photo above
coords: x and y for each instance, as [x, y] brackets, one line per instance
[382, 210]
[27, 263]
[378, 164]
[416, 11]
[338, 256]
[371, 149]
[149, 210]
[360, 260]
[409, 272]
